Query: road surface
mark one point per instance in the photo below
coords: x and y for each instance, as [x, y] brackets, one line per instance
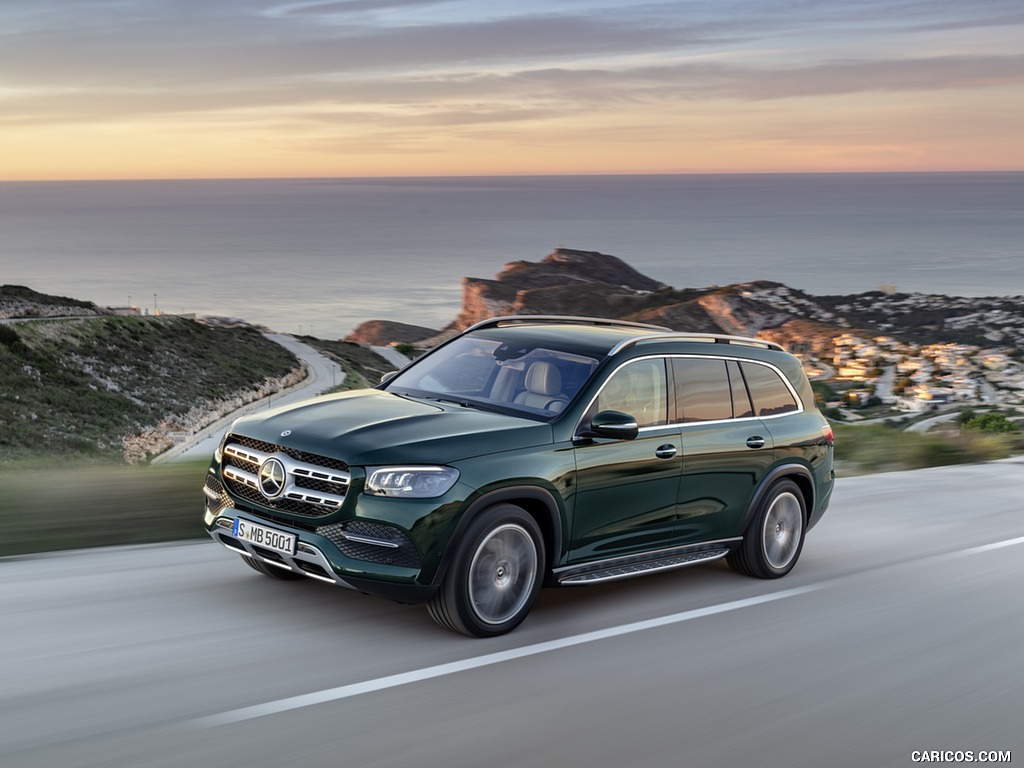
[901, 630]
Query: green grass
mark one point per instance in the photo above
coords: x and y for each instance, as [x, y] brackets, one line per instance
[76, 388]
[60, 507]
[863, 449]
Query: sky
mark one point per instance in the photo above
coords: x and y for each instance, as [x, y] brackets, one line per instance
[106, 89]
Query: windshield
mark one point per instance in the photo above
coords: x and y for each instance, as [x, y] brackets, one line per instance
[509, 376]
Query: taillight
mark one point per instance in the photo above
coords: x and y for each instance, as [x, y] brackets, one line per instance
[830, 436]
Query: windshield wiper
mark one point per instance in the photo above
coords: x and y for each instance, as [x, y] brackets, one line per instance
[474, 404]
[463, 403]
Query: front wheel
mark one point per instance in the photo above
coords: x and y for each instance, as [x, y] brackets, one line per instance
[495, 577]
[775, 537]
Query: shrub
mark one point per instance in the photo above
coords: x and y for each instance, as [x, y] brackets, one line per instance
[990, 423]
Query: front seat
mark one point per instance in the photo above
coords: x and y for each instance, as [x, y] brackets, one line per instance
[543, 388]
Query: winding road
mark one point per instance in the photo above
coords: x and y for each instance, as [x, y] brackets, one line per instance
[899, 631]
[324, 375]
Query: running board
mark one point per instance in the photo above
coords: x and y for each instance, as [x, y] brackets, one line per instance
[608, 571]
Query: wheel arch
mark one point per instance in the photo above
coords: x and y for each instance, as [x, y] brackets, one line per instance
[536, 501]
[799, 474]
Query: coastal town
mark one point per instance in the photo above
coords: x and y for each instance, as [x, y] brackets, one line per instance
[875, 366]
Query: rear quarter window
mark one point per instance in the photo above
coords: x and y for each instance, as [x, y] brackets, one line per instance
[768, 391]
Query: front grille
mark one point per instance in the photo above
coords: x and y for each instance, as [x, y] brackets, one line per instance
[314, 485]
[372, 542]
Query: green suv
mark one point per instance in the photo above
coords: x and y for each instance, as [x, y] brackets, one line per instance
[532, 451]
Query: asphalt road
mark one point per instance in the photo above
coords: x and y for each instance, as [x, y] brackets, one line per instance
[900, 630]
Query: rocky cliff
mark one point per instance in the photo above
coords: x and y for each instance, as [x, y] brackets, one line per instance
[588, 283]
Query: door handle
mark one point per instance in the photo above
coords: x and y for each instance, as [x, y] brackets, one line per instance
[666, 451]
[755, 442]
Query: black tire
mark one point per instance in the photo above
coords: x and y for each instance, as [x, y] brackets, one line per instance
[775, 537]
[495, 576]
[270, 570]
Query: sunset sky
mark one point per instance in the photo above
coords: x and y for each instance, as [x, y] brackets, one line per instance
[94, 89]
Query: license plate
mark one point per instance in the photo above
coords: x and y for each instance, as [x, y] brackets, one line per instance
[279, 541]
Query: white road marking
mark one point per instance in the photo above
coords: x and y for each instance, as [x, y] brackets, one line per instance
[416, 675]
[451, 668]
[990, 547]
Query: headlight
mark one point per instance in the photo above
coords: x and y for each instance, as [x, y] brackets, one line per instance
[218, 453]
[410, 482]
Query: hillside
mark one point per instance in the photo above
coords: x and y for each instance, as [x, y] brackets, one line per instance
[109, 387]
[19, 301]
[97, 384]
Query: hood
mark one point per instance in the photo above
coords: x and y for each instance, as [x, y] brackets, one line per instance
[371, 427]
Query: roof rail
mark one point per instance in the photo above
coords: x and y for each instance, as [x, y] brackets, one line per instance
[706, 338]
[501, 322]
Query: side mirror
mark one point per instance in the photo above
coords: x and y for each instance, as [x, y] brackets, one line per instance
[388, 377]
[612, 424]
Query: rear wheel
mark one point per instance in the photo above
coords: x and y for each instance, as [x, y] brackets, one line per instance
[495, 577]
[775, 537]
[270, 570]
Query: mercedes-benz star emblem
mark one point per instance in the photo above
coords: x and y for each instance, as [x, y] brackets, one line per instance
[272, 478]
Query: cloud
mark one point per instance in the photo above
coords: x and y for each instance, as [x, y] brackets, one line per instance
[174, 49]
[335, 7]
[444, 99]
[404, 76]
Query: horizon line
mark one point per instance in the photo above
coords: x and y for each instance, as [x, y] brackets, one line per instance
[517, 175]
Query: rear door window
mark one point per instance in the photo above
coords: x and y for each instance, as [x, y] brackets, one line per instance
[702, 388]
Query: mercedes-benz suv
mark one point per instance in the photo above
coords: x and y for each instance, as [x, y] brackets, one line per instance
[532, 451]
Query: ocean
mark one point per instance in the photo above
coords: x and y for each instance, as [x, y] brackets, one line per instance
[320, 256]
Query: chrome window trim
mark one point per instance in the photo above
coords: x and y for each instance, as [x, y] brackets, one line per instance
[665, 428]
[682, 424]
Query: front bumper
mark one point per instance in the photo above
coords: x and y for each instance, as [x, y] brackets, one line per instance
[308, 560]
[362, 552]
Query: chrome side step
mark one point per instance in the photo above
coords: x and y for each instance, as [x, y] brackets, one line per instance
[625, 568]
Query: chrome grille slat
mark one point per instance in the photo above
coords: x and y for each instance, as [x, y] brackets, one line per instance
[241, 476]
[247, 455]
[304, 470]
[327, 501]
